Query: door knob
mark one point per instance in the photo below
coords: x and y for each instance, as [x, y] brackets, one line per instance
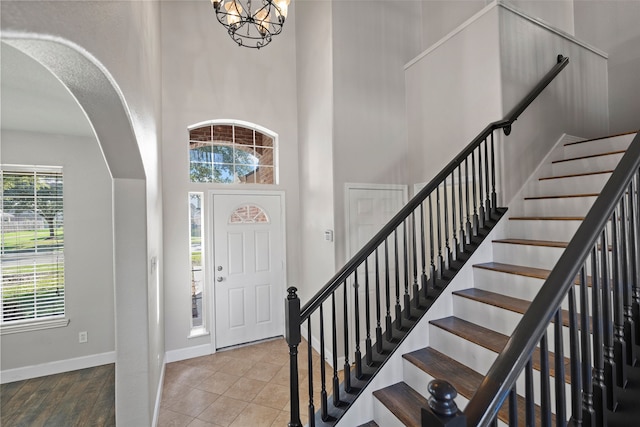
[220, 279]
[219, 268]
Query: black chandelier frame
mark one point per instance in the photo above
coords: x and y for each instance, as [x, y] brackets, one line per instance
[250, 28]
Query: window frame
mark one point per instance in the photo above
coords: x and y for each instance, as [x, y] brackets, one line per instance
[43, 322]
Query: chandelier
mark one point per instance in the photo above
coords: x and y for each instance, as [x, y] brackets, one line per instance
[251, 24]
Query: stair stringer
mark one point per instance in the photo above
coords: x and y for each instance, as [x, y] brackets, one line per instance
[362, 409]
[392, 372]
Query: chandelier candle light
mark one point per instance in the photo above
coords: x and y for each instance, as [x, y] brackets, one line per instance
[252, 24]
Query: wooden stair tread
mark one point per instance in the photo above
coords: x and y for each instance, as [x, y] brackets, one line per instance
[546, 218]
[491, 340]
[575, 175]
[564, 196]
[465, 380]
[527, 242]
[404, 402]
[590, 156]
[601, 137]
[521, 270]
[438, 365]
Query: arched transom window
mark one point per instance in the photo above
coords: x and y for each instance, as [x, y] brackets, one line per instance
[249, 214]
[230, 153]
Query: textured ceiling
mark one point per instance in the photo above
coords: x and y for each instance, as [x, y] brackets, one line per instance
[33, 99]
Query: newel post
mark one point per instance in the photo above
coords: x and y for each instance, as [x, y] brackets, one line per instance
[442, 411]
[292, 331]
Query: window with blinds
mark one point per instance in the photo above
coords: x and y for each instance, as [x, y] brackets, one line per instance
[31, 244]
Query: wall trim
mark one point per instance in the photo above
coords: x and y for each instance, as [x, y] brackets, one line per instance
[57, 367]
[187, 353]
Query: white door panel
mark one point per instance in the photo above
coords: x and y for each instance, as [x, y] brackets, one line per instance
[249, 252]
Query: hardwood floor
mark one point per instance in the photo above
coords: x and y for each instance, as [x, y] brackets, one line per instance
[79, 398]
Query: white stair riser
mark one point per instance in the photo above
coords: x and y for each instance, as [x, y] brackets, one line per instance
[591, 164]
[480, 360]
[383, 416]
[515, 285]
[563, 186]
[599, 146]
[568, 206]
[495, 318]
[529, 255]
[542, 230]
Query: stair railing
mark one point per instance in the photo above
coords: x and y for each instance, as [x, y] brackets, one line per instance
[401, 270]
[603, 321]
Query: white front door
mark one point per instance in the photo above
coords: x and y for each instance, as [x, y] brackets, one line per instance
[249, 267]
[370, 207]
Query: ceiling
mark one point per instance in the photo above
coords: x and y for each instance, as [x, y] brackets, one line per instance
[32, 99]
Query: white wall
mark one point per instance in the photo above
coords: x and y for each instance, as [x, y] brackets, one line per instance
[453, 92]
[557, 13]
[314, 62]
[207, 76]
[88, 249]
[370, 119]
[575, 103]
[107, 53]
[440, 17]
[613, 27]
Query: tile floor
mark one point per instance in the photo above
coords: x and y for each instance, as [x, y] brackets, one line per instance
[241, 387]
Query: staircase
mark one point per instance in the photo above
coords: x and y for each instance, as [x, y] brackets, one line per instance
[539, 225]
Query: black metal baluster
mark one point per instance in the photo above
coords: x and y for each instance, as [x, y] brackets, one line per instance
[463, 238]
[545, 390]
[454, 238]
[334, 351]
[423, 277]
[513, 407]
[487, 202]
[494, 197]
[323, 377]
[476, 222]
[588, 412]
[480, 194]
[574, 357]
[599, 386]
[367, 315]
[407, 297]
[312, 408]
[447, 249]
[468, 229]
[558, 350]
[378, 310]
[529, 399]
[607, 322]
[347, 366]
[356, 308]
[387, 292]
[440, 265]
[432, 266]
[619, 344]
[629, 324]
[397, 264]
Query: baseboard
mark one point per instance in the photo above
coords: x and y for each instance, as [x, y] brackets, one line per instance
[156, 410]
[187, 353]
[57, 367]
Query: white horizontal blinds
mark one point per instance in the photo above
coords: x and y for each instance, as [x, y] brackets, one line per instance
[32, 244]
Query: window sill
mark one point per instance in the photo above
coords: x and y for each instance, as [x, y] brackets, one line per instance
[34, 325]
